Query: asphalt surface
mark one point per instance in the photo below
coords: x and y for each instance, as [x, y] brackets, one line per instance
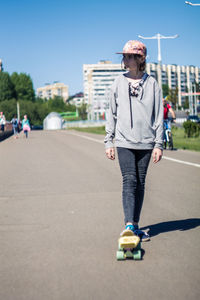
[61, 215]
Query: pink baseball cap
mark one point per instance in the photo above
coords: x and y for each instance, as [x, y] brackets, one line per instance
[134, 47]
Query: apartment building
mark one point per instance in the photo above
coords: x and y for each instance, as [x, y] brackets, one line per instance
[77, 99]
[98, 78]
[49, 91]
[176, 76]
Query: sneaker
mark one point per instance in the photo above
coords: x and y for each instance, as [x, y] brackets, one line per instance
[144, 236]
[128, 231]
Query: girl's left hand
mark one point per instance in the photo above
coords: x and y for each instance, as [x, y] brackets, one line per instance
[157, 155]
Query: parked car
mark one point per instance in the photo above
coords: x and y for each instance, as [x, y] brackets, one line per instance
[37, 127]
[193, 118]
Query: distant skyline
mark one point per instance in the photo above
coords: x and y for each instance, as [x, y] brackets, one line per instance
[51, 40]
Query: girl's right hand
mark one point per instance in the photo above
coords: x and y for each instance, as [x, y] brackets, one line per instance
[110, 153]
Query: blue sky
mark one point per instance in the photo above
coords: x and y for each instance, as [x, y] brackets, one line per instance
[51, 40]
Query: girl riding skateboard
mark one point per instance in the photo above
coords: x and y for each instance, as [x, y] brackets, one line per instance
[135, 121]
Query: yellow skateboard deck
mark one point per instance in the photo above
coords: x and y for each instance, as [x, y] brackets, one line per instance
[129, 242]
[127, 232]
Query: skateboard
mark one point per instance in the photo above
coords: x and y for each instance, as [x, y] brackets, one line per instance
[129, 246]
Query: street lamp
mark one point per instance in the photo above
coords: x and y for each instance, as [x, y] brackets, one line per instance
[192, 4]
[158, 36]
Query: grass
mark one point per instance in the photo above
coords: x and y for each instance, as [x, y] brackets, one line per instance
[97, 130]
[179, 139]
[182, 142]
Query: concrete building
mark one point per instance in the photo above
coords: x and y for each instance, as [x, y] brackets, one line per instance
[49, 91]
[176, 76]
[97, 80]
[77, 99]
[99, 77]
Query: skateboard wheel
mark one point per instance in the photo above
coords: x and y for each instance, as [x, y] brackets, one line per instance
[137, 255]
[120, 248]
[120, 255]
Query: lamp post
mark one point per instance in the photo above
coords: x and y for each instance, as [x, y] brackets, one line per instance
[1, 66]
[192, 4]
[18, 111]
[158, 37]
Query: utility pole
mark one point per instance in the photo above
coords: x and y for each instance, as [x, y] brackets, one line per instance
[158, 37]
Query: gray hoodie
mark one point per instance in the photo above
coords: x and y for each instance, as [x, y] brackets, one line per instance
[135, 122]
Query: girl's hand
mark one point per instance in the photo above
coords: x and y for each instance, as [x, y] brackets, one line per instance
[157, 155]
[110, 153]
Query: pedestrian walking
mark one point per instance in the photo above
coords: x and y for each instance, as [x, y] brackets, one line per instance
[15, 125]
[2, 121]
[26, 126]
[135, 121]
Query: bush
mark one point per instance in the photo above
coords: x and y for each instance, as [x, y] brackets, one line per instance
[192, 129]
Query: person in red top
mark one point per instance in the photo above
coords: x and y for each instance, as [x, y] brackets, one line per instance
[167, 122]
[167, 109]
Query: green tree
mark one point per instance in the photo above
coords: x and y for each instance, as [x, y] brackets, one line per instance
[197, 88]
[36, 112]
[40, 100]
[70, 107]
[186, 101]
[165, 90]
[56, 104]
[23, 86]
[173, 97]
[7, 90]
[82, 111]
[9, 108]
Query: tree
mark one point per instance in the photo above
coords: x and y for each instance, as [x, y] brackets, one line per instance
[173, 97]
[7, 90]
[56, 104]
[197, 88]
[186, 102]
[23, 86]
[70, 107]
[9, 108]
[82, 111]
[36, 111]
[165, 89]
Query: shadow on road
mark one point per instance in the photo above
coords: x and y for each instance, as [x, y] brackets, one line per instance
[174, 149]
[180, 225]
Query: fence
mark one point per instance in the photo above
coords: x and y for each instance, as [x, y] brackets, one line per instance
[8, 131]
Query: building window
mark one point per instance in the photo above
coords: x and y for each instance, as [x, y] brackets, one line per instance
[59, 92]
[49, 93]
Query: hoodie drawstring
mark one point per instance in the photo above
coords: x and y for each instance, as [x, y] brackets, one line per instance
[131, 115]
[136, 93]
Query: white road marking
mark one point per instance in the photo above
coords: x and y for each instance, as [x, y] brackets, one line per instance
[165, 157]
[86, 137]
[181, 161]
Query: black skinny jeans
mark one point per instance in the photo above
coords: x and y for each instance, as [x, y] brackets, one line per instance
[133, 165]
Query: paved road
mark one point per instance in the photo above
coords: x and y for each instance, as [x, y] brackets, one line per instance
[61, 214]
